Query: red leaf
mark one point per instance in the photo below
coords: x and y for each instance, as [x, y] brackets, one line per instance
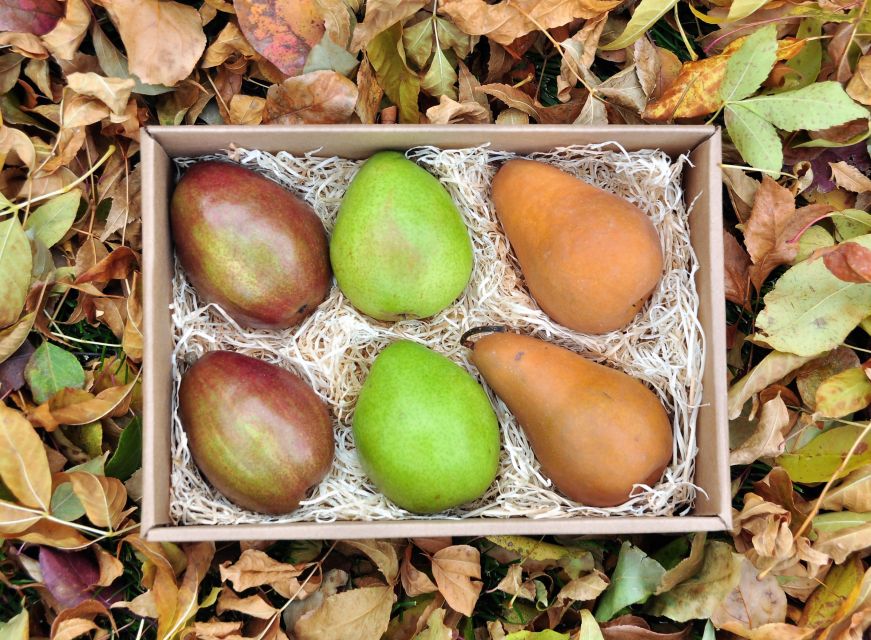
[70, 576]
[850, 262]
[282, 32]
[30, 16]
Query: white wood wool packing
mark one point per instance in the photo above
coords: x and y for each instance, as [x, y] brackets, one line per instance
[334, 348]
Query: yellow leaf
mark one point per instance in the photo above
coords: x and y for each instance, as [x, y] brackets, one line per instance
[23, 462]
[103, 498]
[380, 15]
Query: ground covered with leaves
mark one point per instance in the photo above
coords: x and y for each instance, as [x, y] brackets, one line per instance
[789, 81]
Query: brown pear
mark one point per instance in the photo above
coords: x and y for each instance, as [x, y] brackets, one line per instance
[596, 431]
[591, 259]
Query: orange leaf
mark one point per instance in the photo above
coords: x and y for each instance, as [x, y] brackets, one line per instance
[75, 406]
[453, 569]
[850, 262]
[15, 518]
[111, 567]
[320, 97]
[737, 270]
[103, 498]
[283, 32]
[78, 620]
[54, 534]
[115, 266]
[158, 576]
[696, 90]
[23, 462]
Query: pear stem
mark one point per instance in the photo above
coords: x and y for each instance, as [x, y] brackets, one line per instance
[464, 339]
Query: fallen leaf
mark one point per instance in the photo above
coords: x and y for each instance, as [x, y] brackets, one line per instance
[51, 221]
[254, 569]
[75, 406]
[110, 567]
[369, 93]
[133, 342]
[34, 16]
[163, 39]
[12, 368]
[52, 369]
[66, 36]
[382, 553]
[583, 589]
[380, 15]
[825, 603]
[126, 195]
[79, 620]
[752, 603]
[282, 32]
[103, 498]
[852, 494]
[767, 441]
[254, 606]
[849, 177]
[635, 578]
[17, 627]
[70, 576]
[849, 261]
[313, 595]
[15, 263]
[23, 462]
[113, 92]
[646, 13]
[440, 78]
[320, 97]
[770, 369]
[228, 43]
[449, 111]
[359, 614]
[54, 534]
[843, 393]
[115, 266]
[414, 582]
[521, 101]
[809, 377]
[686, 568]
[631, 627]
[507, 20]
[818, 460]
[840, 543]
[402, 85]
[514, 585]
[454, 569]
[737, 270]
[435, 627]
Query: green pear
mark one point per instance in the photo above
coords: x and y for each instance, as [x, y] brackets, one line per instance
[399, 248]
[425, 431]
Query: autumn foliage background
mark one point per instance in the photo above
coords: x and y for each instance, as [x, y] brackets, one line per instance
[788, 80]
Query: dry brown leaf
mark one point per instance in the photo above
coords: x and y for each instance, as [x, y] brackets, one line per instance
[517, 99]
[840, 543]
[859, 86]
[25, 44]
[79, 110]
[686, 568]
[228, 43]
[648, 65]
[849, 177]
[23, 463]
[16, 148]
[449, 111]
[696, 89]
[432, 545]
[214, 629]
[582, 589]
[315, 591]
[111, 567]
[754, 602]
[631, 627]
[113, 92]
[853, 493]
[126, 195]
[246, 109]
[68, 33]
[453, 569]
[163, 39]
[763, 528]
[254, 569]
[770, 234]
[514, 585]
[507, 20]
[254, 606]
[380, 14]
[76, 621]
[320, 97]
[414, 582]
[767, 440]
[102, 497]
[75, 406]
[133, 341]
[359, 614]
[848, 261]
[382, 553]
[737, 271]
[54, 534]
[15, 518]
[282, 32]
[369, 93]
[337, 20]
[115, 266]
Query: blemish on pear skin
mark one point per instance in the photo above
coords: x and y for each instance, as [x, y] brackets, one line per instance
[519, 356]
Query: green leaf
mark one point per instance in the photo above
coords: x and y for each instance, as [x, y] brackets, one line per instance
[698, 597]
[818, 460]
[743, 8]
[818, 106]
[749, 66]
[757, 141]
[441, 77]
[840, 520]
[710, 633]
[824, 603]
[87, 437]
[127, 456]
[15, 264]
[808, 62]
[810, 311]
[634, 580]
[417, 40]
[51, 369]
[646, 14]
[51, 221]
[64, 502]
[16, 628]
[400, 83]
[851, 223]
[451, 37]
[589, 627]
[537, 635]
[843, 393]
[814, 238]
[573, 561]
[326, 55]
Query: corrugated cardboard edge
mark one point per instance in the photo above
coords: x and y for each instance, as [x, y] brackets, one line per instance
[158, 143]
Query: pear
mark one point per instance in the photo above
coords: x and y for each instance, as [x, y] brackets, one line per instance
[399, 247]
[595, 431]
[424, 430]
[591, 259]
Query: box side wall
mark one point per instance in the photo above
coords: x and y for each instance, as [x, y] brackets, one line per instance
[360, 141]
[157, 376]
[703, 185]
[429, 528]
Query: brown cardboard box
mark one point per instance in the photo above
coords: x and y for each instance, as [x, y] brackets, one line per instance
[702, 184]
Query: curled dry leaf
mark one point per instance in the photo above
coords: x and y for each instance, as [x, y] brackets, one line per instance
[283, 32]
[316, 590]
[228, 43]
[68, 33]
[767, 441]
[852, 494]
[320, 97]
[75, 406]
[737, 270]
[764, 527]
[583, 589]
[23, 462]
[770, 369]
[849, 177]
[163, 39]
[454, 569]
[449, 111]
[369, 93]
[507, 20]
[79, 620]
[254, 569]
[517, 99]
[133, 342]
[381, 14]
[359, 614]
[254, 606]
[811, 375]
[686, 568]
[382, 553]
[514, 585]
[849, 261]
[115, 266]
[113, 92]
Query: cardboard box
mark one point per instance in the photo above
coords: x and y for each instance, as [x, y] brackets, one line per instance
[702, 185]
